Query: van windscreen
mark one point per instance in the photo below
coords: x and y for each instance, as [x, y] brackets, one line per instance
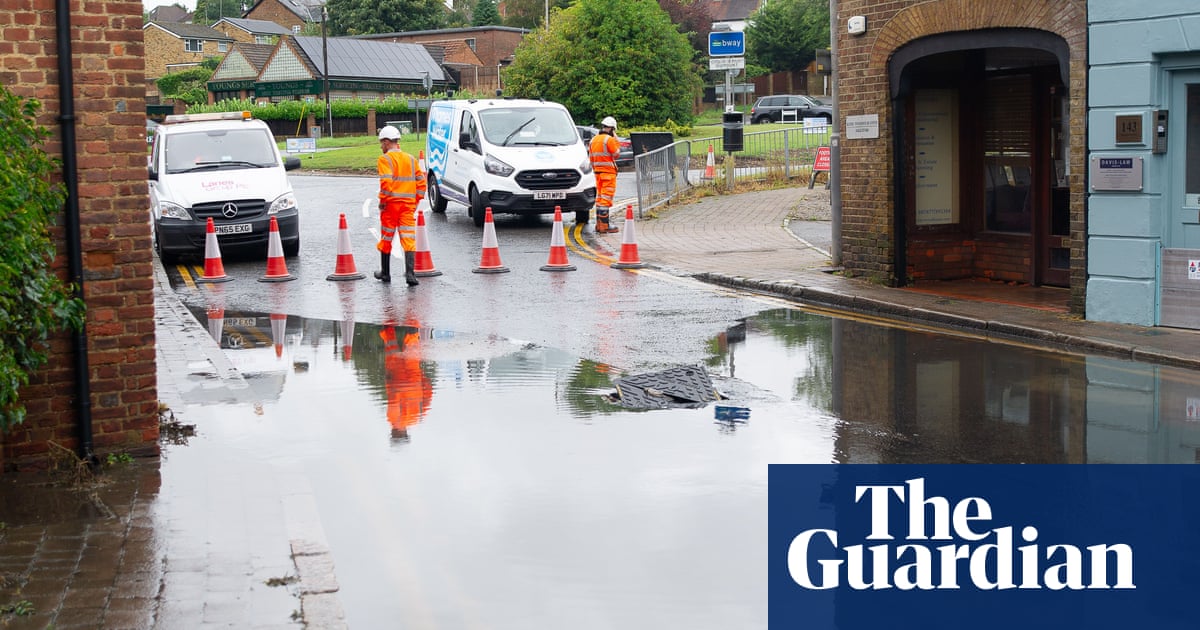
[513, 126]
[219, 149]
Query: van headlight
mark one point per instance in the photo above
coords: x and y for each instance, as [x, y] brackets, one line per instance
[286, 202]
[496, 167]
[168, 210]
[586, 167]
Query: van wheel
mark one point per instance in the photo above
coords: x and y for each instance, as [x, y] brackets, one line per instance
[291, 250]
[437, 202]
[478, 210]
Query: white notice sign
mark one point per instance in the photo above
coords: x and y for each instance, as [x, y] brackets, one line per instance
[936, 157]
[1116, 173]
[1193, 269]
[862, 127]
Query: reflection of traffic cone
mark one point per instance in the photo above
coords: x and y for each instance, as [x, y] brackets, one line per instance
[710, 166]
[276, 266]
[629, 249]
[216, 322]
[489, 262]
[214, 271]
[422, 261]
[558, 247]
[347, 338]
[344, 269]
[278, 327]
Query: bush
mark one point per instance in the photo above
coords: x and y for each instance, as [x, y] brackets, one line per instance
[33, 301]
[296, 110]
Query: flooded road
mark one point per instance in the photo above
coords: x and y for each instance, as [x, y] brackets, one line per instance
[466, 480]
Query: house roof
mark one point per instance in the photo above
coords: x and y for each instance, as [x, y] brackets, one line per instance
[357, 58]
[190, 31]
[453, 51]
[257, 27]
[169, 13]
[730, 10]
[307, 10]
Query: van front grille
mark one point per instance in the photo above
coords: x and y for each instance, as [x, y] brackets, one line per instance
[246, 209]
[548, 179]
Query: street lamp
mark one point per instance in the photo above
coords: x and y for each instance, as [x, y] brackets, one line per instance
[325, 73]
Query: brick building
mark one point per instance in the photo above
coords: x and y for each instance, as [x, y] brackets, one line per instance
[170, 47]
[251, 31]
[963, 141]
[291, 14]
[106, 140]
[492, 45]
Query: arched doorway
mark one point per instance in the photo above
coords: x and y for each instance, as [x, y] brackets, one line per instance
[982, 157]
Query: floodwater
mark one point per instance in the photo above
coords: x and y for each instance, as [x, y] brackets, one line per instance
[474, 482]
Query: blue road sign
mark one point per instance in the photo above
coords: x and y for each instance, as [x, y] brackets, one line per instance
[726, 43]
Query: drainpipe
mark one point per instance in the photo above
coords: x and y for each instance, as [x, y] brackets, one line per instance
[835, 148]
[66, 122]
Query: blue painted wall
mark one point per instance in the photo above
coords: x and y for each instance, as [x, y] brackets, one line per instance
[1128, 44]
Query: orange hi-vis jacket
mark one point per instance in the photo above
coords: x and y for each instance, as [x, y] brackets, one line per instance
[604, 151]
[400, 179]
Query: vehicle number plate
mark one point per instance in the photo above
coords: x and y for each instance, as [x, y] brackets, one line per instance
[241, 322]
[549, 195]
[237, 228]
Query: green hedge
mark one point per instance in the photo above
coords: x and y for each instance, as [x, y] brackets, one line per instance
[296, 110]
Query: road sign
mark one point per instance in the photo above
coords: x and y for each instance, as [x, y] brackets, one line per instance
[726, 63]
[726, 43]
[821, 163]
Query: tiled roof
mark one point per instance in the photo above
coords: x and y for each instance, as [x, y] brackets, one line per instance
[190, 31]
[256, 54]
[363, 59]
[258, 27]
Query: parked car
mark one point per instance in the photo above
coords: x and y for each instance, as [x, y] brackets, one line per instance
[772, 108]
[626, 156]
[225, 167]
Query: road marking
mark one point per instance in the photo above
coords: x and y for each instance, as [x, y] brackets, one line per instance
[185, 273]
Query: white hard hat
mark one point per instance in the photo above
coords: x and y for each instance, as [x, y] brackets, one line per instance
[389, 133]
[609, 121]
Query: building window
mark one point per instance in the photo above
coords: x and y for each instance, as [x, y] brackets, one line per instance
[296, 29]
[264, 39]
[471, 43]
[222, 47]
[193, 45]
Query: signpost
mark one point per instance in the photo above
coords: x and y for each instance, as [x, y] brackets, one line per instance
[724, 50]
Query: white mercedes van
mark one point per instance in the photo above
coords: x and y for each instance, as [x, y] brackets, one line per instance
[516, 156]
[223, 166]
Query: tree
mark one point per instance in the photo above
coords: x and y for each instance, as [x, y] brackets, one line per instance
[693, 19]
[530, 13]
[621, 58]
[486, 14]
[189, 86]
[33, 300]
[209, 12]
[785, 34]
[363, 17]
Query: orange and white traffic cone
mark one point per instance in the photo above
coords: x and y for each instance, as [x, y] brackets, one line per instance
[276, 265]
[422, 261]
[421, 159]
[710, 165]
[278, 329]
[214, 271]
[344, 268]
[629, 250]
[216, 321]
[489, 262]
[558, 246]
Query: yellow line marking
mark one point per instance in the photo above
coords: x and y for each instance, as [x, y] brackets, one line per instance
[187, 276]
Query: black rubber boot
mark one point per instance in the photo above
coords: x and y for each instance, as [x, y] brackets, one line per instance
[385, 262]
[410, 276]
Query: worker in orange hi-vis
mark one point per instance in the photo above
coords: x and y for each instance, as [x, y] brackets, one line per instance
[409, 391]
[604, 151]
[401, 188]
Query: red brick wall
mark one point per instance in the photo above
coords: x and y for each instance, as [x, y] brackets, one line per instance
[867, 166]
[273, 11]
[110, 112]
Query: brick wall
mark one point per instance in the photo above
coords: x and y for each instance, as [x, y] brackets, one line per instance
[110, 112]
[163, 48]
[273, 11]
[867, 166]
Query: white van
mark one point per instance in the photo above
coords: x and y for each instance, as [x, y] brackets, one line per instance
[515, 156]
[226, 167]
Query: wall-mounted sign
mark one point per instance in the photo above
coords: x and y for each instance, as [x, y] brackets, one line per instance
[1129, 129]
[726, 63]
[1116, 173]
[1193, 269]
[935, 158]
[862, 127]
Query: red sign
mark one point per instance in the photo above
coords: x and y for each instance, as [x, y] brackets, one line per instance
[822, 161]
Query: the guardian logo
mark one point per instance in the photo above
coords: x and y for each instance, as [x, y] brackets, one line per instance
[949, 546]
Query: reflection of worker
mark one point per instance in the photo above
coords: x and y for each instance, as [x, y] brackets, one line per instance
[604, 150]
[401, 188]
[409, 391]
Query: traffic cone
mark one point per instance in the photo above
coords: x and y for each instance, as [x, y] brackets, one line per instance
[489, 262]
[276, 266]
[214, 271]
[422, 261]
[347, 329]
[421, 159]
[344, 269]
[710, 166]
[629, 250]
[558, 247]
[278, 328]
[216, 321]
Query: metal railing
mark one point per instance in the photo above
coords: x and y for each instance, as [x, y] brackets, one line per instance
[666, 172]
